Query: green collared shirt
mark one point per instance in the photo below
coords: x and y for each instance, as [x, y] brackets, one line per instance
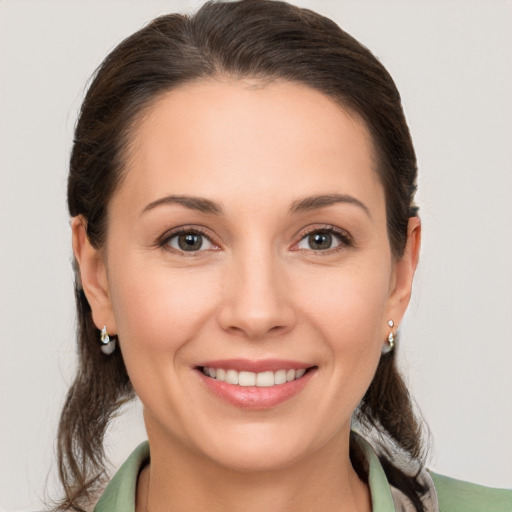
[444, 495]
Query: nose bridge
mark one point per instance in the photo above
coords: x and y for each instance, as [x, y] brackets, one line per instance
[256, 300]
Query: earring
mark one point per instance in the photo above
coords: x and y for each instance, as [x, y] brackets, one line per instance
[386, 349]
[108, 344]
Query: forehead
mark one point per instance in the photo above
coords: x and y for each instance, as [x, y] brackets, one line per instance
[211, 137]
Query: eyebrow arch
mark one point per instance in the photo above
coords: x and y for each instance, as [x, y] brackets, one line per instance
[193, 203]
[323, 200]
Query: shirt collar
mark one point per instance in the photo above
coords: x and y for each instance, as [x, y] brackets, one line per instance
[119, 495]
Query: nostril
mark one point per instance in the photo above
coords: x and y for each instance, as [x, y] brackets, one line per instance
[255, 309]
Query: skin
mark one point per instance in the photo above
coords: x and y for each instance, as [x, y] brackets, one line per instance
[257, 290]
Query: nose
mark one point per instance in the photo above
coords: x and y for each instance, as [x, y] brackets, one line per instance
[256, 299]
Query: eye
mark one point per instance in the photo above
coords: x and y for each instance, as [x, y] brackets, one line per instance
[323, 240]
[189, 241]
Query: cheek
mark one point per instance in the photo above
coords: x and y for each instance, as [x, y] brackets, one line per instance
[347, 311]
[349, 305]
[159, 309]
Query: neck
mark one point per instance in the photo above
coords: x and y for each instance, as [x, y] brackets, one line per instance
[187, 482]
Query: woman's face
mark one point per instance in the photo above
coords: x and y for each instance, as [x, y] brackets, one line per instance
[247, 240]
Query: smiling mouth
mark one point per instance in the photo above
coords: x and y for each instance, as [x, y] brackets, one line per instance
[260, 379]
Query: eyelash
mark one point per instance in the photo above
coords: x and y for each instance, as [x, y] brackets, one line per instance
[344, 239]
[164, 242]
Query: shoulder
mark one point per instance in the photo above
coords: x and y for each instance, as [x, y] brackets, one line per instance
[459, 496]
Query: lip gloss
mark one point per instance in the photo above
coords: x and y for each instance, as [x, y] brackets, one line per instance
[255, 397]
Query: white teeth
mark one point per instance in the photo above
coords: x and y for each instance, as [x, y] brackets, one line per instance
[231, 377]
[246, 379]
[262, 379]
[280, 377]
[265, 379]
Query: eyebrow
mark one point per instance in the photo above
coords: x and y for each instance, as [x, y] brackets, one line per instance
[199, 204]
[323, 200]
[301, 205]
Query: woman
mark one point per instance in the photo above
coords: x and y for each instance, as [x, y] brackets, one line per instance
[241, 187]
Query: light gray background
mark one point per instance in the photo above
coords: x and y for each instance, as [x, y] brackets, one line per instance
[452, 61]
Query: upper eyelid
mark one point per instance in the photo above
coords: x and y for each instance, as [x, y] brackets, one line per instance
[171, 233]
[302, 233]
[323, 227]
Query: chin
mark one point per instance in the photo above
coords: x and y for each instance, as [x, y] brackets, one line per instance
[260, 447]
[258, 457]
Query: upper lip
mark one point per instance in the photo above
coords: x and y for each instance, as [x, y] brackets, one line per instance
[256, 366]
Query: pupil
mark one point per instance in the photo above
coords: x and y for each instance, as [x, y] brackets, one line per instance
[190, 242]
[320, 241]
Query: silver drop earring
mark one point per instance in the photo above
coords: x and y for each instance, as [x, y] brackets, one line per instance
[108, 344]
[386, 349]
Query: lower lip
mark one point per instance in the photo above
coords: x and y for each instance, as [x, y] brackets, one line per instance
[255, 397]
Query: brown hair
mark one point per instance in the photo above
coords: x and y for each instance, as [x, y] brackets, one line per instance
[250, 38]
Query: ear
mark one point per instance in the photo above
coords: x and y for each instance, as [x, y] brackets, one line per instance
[404, 270]
[93, 275]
